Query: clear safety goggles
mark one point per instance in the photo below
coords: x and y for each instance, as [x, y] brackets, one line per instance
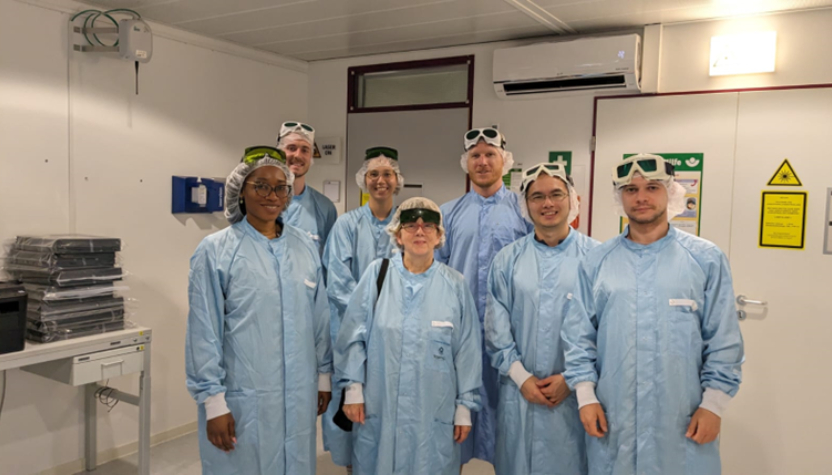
[252, 154]
[490, 135]
[651, 167]
[552, 169]
[287, 128]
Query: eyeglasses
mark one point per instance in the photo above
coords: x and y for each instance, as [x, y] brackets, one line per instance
[651, 167]
[252, 154]
[376, 152]
[427, 228]
[490, 135]
[552, 169]
[287, 128]
[556, 197]
[375, 175]
[264, 189]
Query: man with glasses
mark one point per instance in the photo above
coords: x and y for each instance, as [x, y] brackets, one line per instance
[479, 224]
[529, 285]
[309, 210]
[653, 345]
[357, 239]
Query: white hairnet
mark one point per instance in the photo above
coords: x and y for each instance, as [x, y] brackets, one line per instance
[416, 202]
[380, 161]
[574, 203]
[235, 181]
[301, 133]
[675, 199]
[508, 160]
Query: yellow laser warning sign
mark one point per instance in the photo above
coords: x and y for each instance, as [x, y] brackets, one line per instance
[785, 176]
[783, 219]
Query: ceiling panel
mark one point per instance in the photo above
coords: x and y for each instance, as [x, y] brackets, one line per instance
[415, 15]
[326, 29]
[435, 42]
[413, 32]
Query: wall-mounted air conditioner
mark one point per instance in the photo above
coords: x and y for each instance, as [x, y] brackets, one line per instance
[586, 64]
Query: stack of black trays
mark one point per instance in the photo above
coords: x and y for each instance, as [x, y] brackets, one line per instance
[72, 282]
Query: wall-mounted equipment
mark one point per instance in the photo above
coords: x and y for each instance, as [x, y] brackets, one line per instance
[134, 43]
[586, 64]
[192, 194]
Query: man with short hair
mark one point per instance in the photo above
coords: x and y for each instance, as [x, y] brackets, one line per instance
[309, 209]
[653, 345]
[478, 225]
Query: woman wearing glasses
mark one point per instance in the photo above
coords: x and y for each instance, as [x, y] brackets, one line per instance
[530, 284]
[257, 349]
[409, 354]
[357, 239]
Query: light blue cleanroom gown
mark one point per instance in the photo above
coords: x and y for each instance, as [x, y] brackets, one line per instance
[477, 228]
[653, 326]
[528, 289]
[357, 239]
[314, 213]
[258, 331]
[417, 353]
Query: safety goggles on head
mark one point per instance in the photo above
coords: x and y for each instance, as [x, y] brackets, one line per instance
[252, 154]
[376, 152]
[651, 167]
[412, 215]
[490, 135]
[552, 169]
[287, 128]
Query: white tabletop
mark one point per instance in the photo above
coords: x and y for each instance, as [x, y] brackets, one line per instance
[40, 352]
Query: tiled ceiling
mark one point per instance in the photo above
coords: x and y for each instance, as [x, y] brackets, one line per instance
[313, 30]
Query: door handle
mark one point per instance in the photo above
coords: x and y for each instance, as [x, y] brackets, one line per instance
[743, 300]
[111, 363]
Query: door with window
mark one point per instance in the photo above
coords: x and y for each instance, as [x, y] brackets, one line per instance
[779, 421]
[420, 108]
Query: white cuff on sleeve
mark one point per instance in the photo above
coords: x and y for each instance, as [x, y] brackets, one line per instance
[518, 373]
[585, 392]
[462, 416]
[715, 401]
[215, 406]
[325, 382]
[355, 394]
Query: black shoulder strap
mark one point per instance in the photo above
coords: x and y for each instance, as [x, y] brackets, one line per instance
[382, 273]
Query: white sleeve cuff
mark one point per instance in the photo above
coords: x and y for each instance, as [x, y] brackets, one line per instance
[585, 392]
[518, 373]
[715, 401]
[462, 416]
[215, 406]
[355, 394]
[325, 382]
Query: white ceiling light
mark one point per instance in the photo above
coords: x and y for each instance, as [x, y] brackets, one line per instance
[743, 53]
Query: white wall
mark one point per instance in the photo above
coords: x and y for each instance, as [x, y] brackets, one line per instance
[804, 46]
[197, 110]
[535, 126]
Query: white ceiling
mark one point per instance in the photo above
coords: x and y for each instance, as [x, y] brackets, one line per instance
[324, 29]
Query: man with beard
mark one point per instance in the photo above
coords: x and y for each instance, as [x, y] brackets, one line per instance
[478, 225]
[309, 210]
[653, 345]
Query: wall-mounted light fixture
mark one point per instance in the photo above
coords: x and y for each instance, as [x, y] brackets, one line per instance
[743, 53]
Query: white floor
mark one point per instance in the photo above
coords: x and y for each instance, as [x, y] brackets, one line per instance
[181, 457]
